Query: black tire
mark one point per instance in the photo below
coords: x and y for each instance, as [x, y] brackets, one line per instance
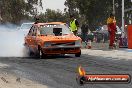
[41, 55]
[78, 54]
[30, 53]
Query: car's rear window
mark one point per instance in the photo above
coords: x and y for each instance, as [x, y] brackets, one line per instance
[56, 30]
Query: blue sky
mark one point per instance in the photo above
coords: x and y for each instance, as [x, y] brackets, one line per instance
[54, 4]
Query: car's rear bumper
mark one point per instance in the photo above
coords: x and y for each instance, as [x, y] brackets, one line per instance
[61, 50]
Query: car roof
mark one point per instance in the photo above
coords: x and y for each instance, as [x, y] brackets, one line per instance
[51, 23]
[55, 23]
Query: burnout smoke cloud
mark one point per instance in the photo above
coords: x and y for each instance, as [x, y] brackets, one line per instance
[11, 42]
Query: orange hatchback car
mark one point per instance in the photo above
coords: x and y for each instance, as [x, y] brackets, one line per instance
[53, 38]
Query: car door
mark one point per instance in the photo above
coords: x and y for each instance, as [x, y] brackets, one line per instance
[34, 39]
[29, 38]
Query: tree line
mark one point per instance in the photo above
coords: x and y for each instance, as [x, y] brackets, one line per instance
[16, 10]
[94, 12]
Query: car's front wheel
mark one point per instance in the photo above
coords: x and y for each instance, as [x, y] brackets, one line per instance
[78, 54]
[41, 55]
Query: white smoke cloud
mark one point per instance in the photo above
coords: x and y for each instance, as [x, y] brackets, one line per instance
[11, 42]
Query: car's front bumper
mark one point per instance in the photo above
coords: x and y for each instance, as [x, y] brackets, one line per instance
[61, 50]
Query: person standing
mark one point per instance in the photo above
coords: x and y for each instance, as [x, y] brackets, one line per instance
[84, 30]
[73, 24]
[111, 23]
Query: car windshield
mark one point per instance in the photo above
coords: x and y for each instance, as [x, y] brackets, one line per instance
[56, 30]
[26, 26]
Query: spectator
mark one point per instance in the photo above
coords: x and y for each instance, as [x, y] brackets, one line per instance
[84, 30]
[111, 23]
[73, 24]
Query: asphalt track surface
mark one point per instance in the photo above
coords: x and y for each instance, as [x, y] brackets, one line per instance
[61, 71]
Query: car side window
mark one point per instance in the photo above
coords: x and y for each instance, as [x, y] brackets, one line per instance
[35, 31]
[38, 30]
[30, 31]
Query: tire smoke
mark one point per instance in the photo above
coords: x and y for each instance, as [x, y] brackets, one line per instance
[11, 42]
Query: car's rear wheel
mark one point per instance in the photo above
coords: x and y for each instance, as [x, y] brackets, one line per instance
[31, 53]
[78, 54]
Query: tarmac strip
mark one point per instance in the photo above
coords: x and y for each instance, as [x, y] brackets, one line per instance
[8, 80]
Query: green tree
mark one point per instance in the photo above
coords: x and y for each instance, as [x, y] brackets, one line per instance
[53, 15]
[96, 11]
[16, 10]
